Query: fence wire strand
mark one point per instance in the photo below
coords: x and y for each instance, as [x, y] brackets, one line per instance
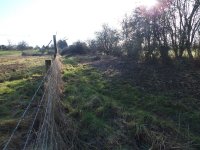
[55, 131]
[49, 136]
[26, 110]
[37, 112]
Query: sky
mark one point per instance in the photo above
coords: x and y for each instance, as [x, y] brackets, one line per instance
[36, 21]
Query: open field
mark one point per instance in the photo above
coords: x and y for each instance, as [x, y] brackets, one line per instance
[32, 52]
[19, 78]
[109, 103]
[115, 106]
[10, 53]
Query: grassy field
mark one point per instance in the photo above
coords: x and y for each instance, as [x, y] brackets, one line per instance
[110, 103]
[19, 78]
[111, 112]
[4, 53]
[9, 53]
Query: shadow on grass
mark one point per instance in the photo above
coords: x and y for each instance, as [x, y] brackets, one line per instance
[111, 113]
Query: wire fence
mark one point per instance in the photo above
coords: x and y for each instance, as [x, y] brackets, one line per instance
[48, 136]
[50, 128]
[50, 93]
[26, 110]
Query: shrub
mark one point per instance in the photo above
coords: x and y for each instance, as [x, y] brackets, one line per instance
[76, 48]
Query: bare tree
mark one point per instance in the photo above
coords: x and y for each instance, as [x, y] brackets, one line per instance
[107, 39]
[22, 45]
[172, 24]
[185, 22]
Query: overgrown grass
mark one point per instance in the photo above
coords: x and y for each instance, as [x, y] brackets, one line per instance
[112, 114]
[20, 67]
[16, 89]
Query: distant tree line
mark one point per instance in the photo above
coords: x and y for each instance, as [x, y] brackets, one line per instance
[20, 46]
[171, 29]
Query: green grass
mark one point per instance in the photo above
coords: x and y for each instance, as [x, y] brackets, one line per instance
[124, 116]
[4, 53]
[21, 67]
[9, 53]
[19, 86]
[16, 89]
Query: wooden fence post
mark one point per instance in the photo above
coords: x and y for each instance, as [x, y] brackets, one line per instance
[47, 65]
[55, 46]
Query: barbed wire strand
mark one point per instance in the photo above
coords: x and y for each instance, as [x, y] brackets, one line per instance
[44, 120]
[42, 138]
[36, 116]
[49, 137]
[27, 108]
[30, 130]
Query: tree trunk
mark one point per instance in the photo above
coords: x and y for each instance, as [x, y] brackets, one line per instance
[190, 54]
[181, 50]
[176, 53]
[164, 54]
